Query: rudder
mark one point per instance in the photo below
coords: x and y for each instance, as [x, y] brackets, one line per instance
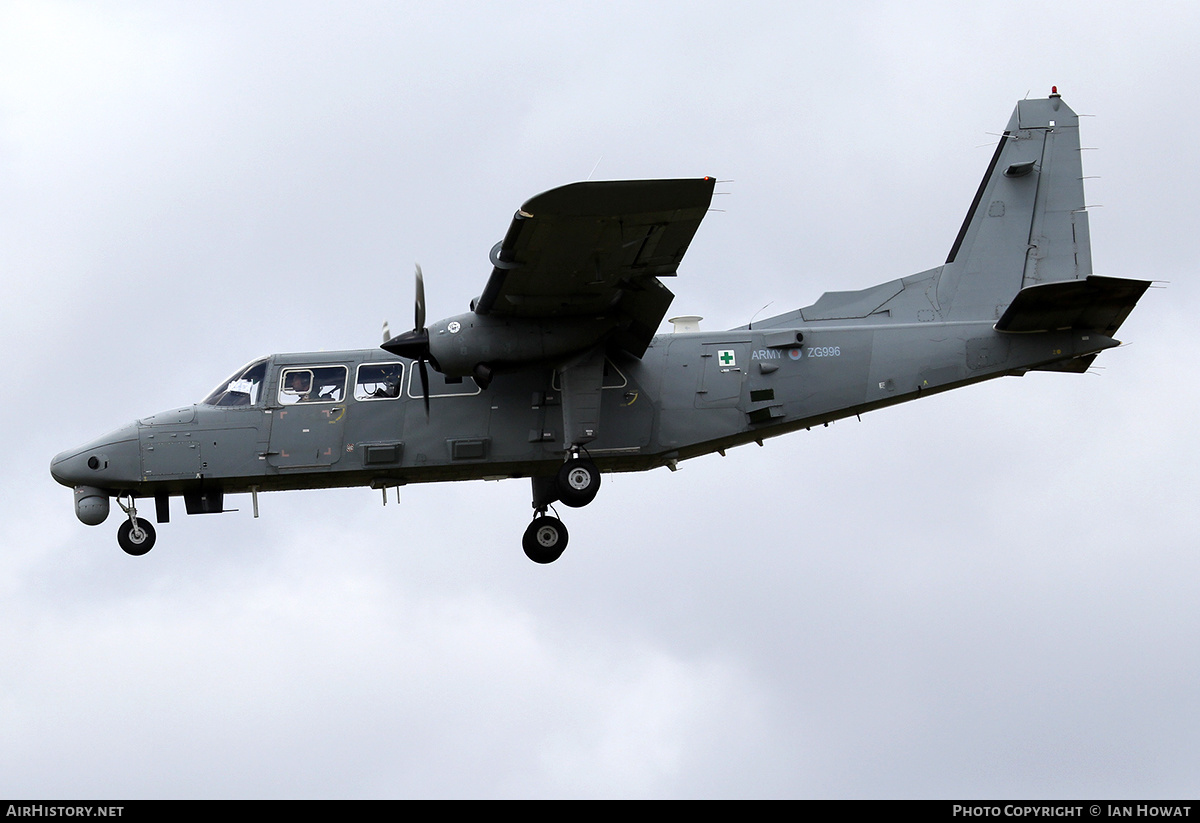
[1027, 224]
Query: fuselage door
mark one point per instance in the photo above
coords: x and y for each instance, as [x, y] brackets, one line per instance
[724, 372]
[309, 411]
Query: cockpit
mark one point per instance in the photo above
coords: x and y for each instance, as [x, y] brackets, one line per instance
[315, 383]
[242, 389]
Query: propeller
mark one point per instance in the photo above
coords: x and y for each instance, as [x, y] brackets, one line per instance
[419, 322]
[415, 344]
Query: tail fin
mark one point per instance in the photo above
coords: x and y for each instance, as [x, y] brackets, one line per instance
[1023, 257]
[1027, 224]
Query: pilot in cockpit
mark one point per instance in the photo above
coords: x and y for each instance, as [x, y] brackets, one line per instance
[389, 383]
[298, 384]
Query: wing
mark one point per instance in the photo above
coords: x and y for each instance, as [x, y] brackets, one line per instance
[597, 249]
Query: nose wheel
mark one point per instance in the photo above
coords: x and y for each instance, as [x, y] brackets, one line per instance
[135, 536]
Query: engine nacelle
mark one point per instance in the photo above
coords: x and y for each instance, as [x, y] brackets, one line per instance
[458, 344]
[91, 505]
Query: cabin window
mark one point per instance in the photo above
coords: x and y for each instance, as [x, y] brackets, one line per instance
[242, 389]
[441, 386]
[378, 381]
[312, 384]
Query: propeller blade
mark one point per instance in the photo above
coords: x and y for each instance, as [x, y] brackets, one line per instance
[414, 344]
[420, 319]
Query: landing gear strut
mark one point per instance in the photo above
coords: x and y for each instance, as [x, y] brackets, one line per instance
[575, 485]
[135, 536]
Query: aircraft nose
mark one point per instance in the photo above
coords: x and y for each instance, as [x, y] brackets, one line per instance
[105, 462]
[58, 468]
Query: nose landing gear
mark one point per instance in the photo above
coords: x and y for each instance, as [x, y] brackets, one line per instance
[135, 536]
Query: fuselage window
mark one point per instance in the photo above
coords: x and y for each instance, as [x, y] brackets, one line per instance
[378, 381]
[441, 386]
[312, 384]
[242, 389]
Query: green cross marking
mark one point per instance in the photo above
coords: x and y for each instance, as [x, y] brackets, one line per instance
[726, 358]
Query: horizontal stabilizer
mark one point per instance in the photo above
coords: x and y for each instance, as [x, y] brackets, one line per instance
[1078, 365]
[1098, 304]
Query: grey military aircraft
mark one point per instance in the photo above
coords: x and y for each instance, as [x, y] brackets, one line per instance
[556, 372]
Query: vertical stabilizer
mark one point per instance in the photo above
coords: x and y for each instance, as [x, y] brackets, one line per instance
[1027, 225]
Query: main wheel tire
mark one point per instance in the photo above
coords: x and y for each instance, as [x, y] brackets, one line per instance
[545, 539]
[578, 481]
[136, 542]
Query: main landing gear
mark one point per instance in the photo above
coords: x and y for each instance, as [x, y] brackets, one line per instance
[575, 485]
[135, 536]
[545, 539]
[577, 482]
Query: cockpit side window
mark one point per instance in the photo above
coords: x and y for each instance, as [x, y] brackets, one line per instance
[378, 381]
[312, 384]
[242, 389]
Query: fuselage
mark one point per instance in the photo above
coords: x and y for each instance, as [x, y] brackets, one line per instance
[357, 418]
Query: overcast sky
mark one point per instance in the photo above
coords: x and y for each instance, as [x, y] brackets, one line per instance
[989, 593]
